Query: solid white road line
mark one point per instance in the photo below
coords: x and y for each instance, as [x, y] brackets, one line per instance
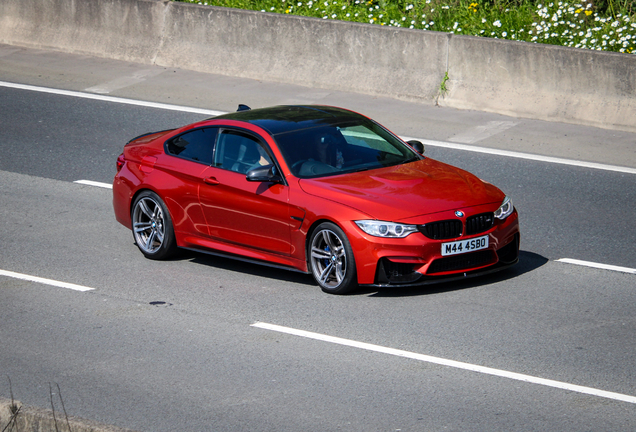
[597, 265]
[44, 281]
[449, 363]
[448, 145]
[527, 156]
[111, 99]
[94, 183]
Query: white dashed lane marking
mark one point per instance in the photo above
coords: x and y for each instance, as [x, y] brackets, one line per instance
[94, 183]
[44, 281]
[449, 363]
[597, 265]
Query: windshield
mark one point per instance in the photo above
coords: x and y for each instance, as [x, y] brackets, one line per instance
[328, 150]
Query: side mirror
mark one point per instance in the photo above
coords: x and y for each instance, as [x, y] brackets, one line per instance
[267, 173]
[417, 146]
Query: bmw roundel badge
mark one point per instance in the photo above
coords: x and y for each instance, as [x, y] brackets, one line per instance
[459, 213]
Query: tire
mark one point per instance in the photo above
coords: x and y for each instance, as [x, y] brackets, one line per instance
[152, 227]
[331, 259]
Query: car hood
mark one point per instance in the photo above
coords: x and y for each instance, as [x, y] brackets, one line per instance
[405, 191]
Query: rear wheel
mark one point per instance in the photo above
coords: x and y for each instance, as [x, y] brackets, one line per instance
[331, 259]
[152, 226]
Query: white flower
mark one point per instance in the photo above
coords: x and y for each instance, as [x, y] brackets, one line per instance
[497, 23]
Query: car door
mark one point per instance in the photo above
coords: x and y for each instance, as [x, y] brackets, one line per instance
[189, 155]
[250, 214]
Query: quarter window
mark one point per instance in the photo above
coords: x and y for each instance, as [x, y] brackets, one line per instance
[195, 145]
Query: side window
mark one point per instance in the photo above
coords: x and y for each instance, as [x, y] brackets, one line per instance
[239, 152]
[195, 145]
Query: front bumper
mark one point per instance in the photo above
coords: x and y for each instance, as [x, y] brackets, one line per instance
[457, 267]
[417, 260]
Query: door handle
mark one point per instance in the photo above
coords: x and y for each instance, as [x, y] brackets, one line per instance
[211, 181]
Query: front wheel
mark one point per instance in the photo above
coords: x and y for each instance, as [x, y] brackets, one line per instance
[331, 259]
[152, 226]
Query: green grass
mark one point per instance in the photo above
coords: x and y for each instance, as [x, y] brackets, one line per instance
[608, 25]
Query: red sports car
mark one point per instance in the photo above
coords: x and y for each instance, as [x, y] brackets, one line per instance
[316, 189]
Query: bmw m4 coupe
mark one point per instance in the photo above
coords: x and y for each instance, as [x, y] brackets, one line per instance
[315, 189]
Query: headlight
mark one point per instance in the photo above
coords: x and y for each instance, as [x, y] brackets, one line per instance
[386, 229]
[505, 209]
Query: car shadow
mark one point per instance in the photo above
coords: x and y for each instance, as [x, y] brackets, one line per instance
[249, 268]
[528, 261]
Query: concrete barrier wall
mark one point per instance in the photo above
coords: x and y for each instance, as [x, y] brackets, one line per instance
[543, 82]
[313, 52]
[128, 30]
[513, 78]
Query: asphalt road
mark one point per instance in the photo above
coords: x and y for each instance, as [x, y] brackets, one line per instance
[164, 346]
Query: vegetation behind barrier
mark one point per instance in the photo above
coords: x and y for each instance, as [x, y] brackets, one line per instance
[605, 25]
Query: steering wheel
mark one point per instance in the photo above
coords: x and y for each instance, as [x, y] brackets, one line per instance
[295, 168]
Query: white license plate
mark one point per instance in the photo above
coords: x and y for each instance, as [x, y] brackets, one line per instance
[463, 246]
